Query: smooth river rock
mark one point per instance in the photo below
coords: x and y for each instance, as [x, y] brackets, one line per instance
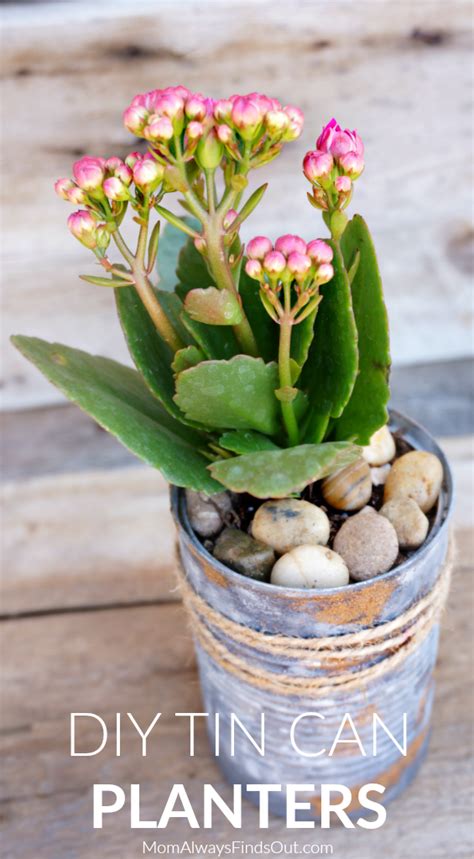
[310, 567]
[290, 522]
[417, 475]
[207, 512]
[244, 554]
[350, 488]
[381, 448]
[368, 544]
[409, 521]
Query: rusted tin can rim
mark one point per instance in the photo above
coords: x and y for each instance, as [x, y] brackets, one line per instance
[414, 434]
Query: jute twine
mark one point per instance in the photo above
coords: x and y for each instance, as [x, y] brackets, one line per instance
[384, 646]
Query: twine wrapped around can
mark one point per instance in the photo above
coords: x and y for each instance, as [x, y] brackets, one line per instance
[380, 648]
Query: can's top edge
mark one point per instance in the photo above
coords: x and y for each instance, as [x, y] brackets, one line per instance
[420, 439]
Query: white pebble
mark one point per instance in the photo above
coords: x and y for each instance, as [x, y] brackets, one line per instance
[290, 522]
[379, 474]
[381, 448]
[310, 567]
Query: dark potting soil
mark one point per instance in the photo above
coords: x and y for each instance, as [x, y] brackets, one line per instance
[245, 506]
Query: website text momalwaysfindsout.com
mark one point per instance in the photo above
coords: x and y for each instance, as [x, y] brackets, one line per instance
[237, 848]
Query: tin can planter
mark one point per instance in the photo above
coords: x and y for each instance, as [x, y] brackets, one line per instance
[401, 685]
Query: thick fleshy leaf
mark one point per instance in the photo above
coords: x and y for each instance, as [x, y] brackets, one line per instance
[330, 372]
[216, 341]
[186, 358]
[276, 473]
[191, 269]
[301, 339]
[172, 241]
[246, 441]
[173, 307]
[151, 355]
[213, 306]
[235, 394]
[366, 410]
[118, 399]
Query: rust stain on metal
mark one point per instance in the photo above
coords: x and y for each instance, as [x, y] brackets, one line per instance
[363, 607]
[209, 570]
[387, 779]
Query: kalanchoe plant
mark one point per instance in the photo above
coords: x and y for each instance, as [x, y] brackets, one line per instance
[259, 371]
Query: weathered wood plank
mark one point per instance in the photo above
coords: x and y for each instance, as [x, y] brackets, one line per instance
[103, 537]
[406, 69]
[140, 660]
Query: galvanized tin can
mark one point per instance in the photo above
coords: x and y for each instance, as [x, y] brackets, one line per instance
[407, 689]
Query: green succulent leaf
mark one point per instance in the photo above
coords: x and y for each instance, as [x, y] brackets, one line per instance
[191, 269]
[277, 473]
[330, 372]
[172, 241]
[151, 355]
[186, 358]
[246, 441]
[119, 400]
[366, 410]
[216, 341]
[213, 306]
[235, 394]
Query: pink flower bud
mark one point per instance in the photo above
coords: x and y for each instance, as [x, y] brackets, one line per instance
[319, 251]
[246, 117]
[296, 118]
[274, 263]
[195, 130]
[76, 195]
[343, 184]
[89, 173]
[298, 264]
[229, 218]
[114, 189]
[222, 109]
[258, 247]
[290, 244]
[148, 174]
[132, 159]
[113, 163]
[135, 118]
[83, 226]
[196, 108]
[325, 273]
[352, 164]
[317, 165]
[225, 134]
[200, 244]
[254, 269]
[62, 186]
[338, 142]
[159, 128]
[276, 122]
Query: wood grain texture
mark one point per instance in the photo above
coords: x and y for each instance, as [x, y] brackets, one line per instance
[106, 537]
[140, 660]
[405, 67]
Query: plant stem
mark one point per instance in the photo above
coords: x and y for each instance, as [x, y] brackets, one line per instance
[222, 274]
[284, 368]
[145, 289]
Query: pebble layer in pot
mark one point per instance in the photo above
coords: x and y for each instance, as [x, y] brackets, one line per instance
[313, 531]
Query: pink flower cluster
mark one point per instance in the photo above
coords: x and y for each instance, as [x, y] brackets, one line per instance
[289, 259]
[178, 122]
[332, 167]
[96, 178]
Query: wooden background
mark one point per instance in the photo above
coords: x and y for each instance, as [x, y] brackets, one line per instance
[399, 72]
[89, 616]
